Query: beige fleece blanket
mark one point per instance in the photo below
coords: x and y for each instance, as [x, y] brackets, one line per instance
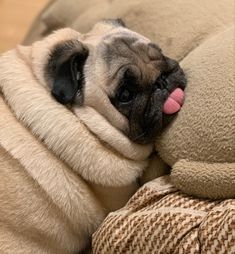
[58, 178]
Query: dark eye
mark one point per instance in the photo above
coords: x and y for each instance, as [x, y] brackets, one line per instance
[125, 95]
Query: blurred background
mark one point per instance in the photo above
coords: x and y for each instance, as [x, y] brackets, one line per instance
[16, 17]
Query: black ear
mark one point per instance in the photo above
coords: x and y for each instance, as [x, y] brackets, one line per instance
[65, 69]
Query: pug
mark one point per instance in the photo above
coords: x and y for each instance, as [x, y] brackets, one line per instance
[120, 73]
[55, 194]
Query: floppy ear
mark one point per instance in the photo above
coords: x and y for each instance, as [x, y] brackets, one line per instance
[65, 70]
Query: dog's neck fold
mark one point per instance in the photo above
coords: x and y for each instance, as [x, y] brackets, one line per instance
[112, 137]
[85, 141]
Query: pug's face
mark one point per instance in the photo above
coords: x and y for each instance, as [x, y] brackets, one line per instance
[120, 73]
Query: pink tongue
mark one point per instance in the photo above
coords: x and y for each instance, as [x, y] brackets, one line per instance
[174, 102]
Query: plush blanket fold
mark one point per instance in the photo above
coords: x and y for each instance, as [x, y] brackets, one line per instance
[66, 135]
[57, 168]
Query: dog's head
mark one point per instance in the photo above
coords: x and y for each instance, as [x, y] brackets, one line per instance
[120, 73]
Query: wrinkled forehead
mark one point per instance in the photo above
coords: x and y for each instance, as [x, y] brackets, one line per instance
[127, 45]
[117, 47]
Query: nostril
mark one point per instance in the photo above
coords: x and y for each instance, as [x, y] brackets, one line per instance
[161, 82]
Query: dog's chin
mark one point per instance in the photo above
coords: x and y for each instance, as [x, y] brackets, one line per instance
[145, 140]
[149, 135]
[146, 136]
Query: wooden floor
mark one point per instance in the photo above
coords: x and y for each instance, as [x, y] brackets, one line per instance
[16, 16]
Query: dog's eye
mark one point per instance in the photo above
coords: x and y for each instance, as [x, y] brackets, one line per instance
[125, 95]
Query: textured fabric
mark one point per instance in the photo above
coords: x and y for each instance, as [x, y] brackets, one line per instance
[206, 179]
[205, 127]
[160, 219]
[204, 130]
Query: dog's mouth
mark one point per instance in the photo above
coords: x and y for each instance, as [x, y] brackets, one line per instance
[159, 112]
[163, 104]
